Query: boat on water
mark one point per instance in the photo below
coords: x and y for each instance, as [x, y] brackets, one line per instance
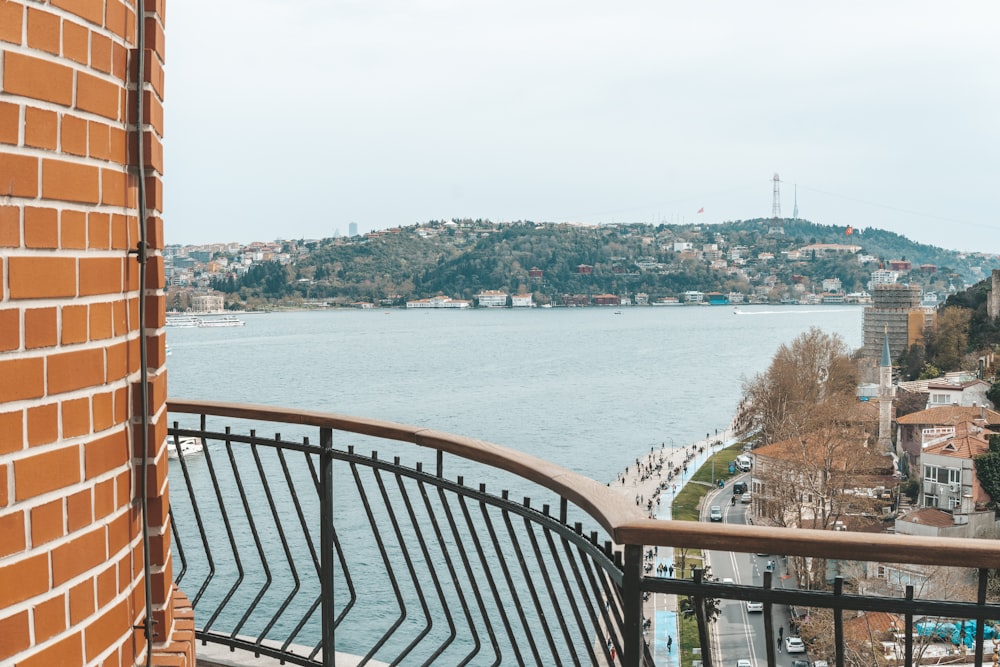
[187, 321]
[225, 321]
[182, 447]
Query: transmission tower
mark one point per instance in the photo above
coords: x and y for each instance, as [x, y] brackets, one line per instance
[776, 227]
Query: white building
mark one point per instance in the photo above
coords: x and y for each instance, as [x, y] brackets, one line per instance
[521, 301]
[492, 299]
[438, 302]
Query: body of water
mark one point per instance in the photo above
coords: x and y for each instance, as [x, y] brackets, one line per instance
[586, 388]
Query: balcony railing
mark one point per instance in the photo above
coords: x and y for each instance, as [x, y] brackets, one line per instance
[297, 537]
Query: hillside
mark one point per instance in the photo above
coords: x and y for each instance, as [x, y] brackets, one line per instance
[461, 258]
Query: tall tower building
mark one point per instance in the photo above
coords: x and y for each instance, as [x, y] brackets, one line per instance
[895, 313]
[885, 395]
[776, 226]
[352, 229]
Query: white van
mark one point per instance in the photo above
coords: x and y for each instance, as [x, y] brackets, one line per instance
[743, 463]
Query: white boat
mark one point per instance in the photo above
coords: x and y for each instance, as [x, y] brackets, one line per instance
[226, 321]
[182, 321]
[187, 445]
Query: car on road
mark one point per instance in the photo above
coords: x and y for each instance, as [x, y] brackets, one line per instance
[743, 662]
[715, 513]
[745, 498]
[800, 663]
[753, 605]
[794, 645]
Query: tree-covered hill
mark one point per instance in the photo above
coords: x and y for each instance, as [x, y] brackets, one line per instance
[461, 258]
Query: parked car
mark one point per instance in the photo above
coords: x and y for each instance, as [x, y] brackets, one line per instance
[794, 645]
[800, 663]
[743, 662]
[745, 498]
[715, 513]
[753, 605]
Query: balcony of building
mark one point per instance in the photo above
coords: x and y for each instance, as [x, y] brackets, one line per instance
[316, 539]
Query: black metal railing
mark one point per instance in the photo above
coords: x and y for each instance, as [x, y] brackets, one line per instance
[300, 547]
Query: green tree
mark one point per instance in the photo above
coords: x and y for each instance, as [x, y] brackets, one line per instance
[988, 469]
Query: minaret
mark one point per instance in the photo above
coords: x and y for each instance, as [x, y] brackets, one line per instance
[885, 397]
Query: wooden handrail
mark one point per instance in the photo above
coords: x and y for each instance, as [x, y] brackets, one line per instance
[623, 520]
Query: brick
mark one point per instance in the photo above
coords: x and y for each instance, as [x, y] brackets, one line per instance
[76, 42]
[81, 601]
[23, 379]
[43, 31]
[91, 10]
[105, 454]
[10, 225]
[100, 52]
[103, 407]
[42, 277]
[117, 362]
[152, 151]
[73, 230]
[40, 327]
[74, 324]
[4, 491]
[22, 579]
[99, 231]
[11, 432]
[107, 586]
[67, 651]
[117, 188]
[41, 227]
[46, 471]
[107, 630]
[121, 530]
[41, 128]
[43, 424]
[11, 22]
[12, 529]
[100, 322]
[14, 629]
[100, 140]
[76, 417]
[104, 499]
[120, 233]
[154, 37]
[10, 329]
[121, 413]
[119, 147]
[69, 181]
[120, 317]
[36, 78]
[119, 61]
[74, 135]
[154, 194]
[19, 175]
[50, 618]
[118, 18]
[152, 112]
[79, 510]
[70, 371]
[100, 275]
[84, 552]
[10, 120]
[97, 95]
[47, 523]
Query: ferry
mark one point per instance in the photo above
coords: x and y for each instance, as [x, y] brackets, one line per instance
[226, 321]
[186, 321]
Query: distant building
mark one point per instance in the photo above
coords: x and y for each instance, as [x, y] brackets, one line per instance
[352, 229]
[606, 300]
[207, 303]
[895, 310]
[521, 301]
[900, 265]
[694, 296]
[492, 299]
[585, 269]
[438, 302]
[535, 272]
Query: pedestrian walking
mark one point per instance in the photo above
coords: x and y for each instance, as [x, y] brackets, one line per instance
[670, 642]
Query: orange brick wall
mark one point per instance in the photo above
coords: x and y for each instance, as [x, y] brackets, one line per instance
[72, 585]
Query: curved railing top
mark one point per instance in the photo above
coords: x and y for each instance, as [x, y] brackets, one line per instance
[623, 520]
[608, 508]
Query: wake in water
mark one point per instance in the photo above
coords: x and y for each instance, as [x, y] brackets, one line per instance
[789, 311]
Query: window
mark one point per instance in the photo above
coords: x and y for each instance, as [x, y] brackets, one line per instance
[930, 501]
[940, 399]
[931, 473]
[954, 475]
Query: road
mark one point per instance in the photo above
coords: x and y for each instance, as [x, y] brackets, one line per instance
[738, 633]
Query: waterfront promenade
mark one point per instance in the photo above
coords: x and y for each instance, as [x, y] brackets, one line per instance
[652, 482]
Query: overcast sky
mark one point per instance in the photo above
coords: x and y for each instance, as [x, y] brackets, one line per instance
[294, 119]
